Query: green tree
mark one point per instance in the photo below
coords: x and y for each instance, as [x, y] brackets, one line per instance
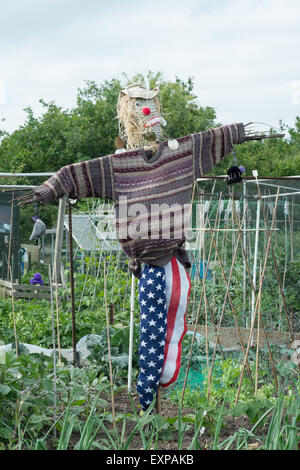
[59, 136]
[271, 157]
[180, 105]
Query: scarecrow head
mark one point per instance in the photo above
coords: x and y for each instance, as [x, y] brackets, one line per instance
[140, 119]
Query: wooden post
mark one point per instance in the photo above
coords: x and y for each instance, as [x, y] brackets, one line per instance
[9, 272]
[111, 313]
[131, 326]
[72, 283]
[258, 336]
[13, 311]
[109, 351]
[245, 250]
[258, 296]
[255, 263]
[158, 400]
[59, 239]
[54, 352]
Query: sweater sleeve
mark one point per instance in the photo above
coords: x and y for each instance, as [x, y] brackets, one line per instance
[91, 178]
[210, 146]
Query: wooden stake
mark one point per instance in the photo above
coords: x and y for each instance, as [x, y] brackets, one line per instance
[227, 294]
[131, 326]
[109, 351]
[257, 337]
[158, 400]
[59, 238]
[291, 218]
[9, 274]
[111, 313]
[72, 283]
[275, 262]
[203, 293]
[54, 351]
[57, 317]
[246, 264]
[13, 312]
[256, 307]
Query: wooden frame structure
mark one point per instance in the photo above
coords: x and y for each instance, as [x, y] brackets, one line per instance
[23, 291]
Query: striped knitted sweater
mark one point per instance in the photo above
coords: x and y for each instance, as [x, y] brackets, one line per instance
[139, 186]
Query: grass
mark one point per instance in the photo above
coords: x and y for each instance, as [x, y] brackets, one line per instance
[84, 421]
[282, 432]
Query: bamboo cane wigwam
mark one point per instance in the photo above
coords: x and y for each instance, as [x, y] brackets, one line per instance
[263, 331]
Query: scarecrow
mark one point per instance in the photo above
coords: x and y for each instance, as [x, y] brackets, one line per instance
[150, 181]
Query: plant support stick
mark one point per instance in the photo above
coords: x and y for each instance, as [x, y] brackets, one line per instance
[54, 350]
[72, 282]
[131, 333]
[109, 351]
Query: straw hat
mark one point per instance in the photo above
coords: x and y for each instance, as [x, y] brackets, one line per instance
[138, 90]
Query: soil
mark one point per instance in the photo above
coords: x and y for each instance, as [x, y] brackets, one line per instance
[169, 409]
[229, 337]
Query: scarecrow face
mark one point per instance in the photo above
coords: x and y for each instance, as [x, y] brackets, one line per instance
[140, 121]
[150, 118]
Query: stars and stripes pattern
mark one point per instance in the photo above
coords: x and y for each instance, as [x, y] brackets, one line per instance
[163, 298]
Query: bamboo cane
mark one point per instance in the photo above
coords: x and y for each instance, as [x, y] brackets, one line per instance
[54, 351]
[255, 261]
[227, 294]
[198, 315]
[109, 350]
[275, 265]
[291, 217]
[13, 312]
[72, 283]
[246, 264]
[203, 281]
[258, 337]
[158, 400]
[256, 307]
[205, 307]
[57, 317]
[131, 326]
[189, 220]
[10, 239]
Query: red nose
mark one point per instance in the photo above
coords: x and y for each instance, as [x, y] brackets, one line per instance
[146, 111]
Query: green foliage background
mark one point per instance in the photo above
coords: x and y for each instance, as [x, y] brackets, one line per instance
[60, 136]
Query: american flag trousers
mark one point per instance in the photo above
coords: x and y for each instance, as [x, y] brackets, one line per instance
[163, 299]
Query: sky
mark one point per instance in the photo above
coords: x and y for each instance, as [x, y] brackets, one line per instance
[242, 54]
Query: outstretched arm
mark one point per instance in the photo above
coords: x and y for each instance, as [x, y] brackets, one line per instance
[91, 178]
[210, 146]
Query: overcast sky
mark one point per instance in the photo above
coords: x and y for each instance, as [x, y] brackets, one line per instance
[242, 54]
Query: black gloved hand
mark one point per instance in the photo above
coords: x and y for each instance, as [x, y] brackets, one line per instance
[234, 175]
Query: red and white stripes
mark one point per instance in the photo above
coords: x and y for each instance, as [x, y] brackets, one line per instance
[178, 287]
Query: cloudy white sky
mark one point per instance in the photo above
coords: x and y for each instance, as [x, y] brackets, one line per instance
[242, 54]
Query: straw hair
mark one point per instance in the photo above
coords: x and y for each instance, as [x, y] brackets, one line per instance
[131, 121]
